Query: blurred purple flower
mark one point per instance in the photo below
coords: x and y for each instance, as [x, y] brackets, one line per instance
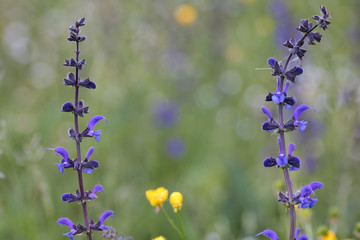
[175, 148]
[284, 23]
[166, 114]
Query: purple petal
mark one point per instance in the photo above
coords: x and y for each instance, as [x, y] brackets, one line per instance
[291, 148]
[278, 97]
[97, 188]
[267, 127]
[303, 237]
[271, 62]
[287, 84]
[68, 107]
[66, 222]
[281, 160]
[316, 185]
[266, 111]
[87, 170]
[105, 215]
[66, 197]
[269, 162]
[268, 233]
[60, 167]
[298, 71]
[297, 232]
[94, 164]
[97, 135]
[306, 191]
[301, 125]
[69, 235]
[91, 150]
[62, 151]
[94, 120]
[294, 162]
[300, 109]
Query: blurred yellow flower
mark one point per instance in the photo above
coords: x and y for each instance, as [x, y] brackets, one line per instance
[176, 201]
[330, 235]
[185, 14]
[159, 238]
[157, 197]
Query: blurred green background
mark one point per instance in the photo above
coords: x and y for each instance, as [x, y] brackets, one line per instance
[183, 98]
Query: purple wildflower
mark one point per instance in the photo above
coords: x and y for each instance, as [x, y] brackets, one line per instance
[88, 166]
[280, 97]
[322, 20]
[295, 47]
[99, 226]
[293, 73]
[293, 160]
[88, 132]
[283, 20]
[97, 188]
[65, 161]
[89, 195]
[294, 123]
[304, 199]
[270, 125]
[282, 160]
[175, 148]
[74, 229]
[165, 114]
[274, 64]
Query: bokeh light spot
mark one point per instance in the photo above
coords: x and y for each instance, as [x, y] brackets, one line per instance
[185, 14]
[234, 53]
[264, 25]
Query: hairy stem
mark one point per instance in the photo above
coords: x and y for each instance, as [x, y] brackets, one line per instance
[78, 149]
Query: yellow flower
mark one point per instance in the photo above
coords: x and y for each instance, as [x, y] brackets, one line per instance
[176, 201]
[330, 235]
[159, 238]
[185, 14]
[157, 197]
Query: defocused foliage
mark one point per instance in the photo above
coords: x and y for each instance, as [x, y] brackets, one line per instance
[179, 87]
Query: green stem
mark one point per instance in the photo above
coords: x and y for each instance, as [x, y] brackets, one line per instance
[181, 225]
[171, 222]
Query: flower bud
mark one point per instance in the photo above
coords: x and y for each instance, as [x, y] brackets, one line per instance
[176, 201]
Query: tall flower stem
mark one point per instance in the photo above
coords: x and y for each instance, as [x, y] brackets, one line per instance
[78, 148]
[282, 139]
[287, 176]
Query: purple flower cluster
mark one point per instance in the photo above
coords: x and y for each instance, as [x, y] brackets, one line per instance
[286, 75]
[87, 165]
